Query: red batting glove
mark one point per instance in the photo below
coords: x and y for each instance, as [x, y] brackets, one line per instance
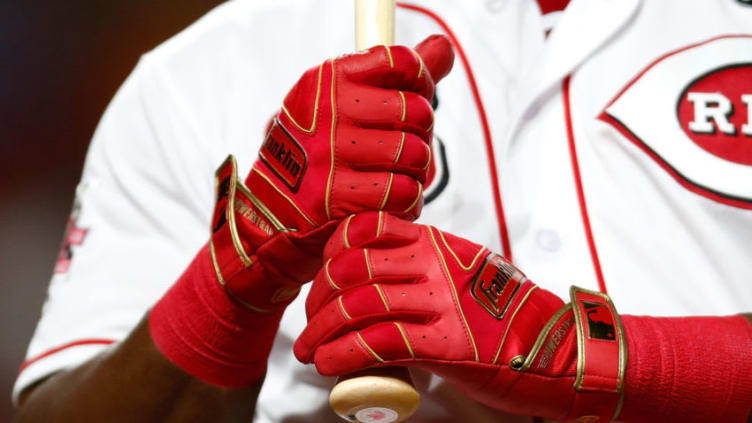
[352, 135]
[396, 293]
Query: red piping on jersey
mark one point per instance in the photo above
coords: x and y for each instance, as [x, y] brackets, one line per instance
[580, 192]
[548, 6]
[503, 233]
[52, 351]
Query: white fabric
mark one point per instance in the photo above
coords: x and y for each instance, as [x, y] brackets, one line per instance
[146, 190]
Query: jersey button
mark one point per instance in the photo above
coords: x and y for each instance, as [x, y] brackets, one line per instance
[495, 6]
[548, 240]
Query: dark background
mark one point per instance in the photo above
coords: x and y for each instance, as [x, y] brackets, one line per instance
[60, 64]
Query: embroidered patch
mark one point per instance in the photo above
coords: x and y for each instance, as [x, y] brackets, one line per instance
[495, 285]
[691, 112]
[74, 236]
[600, 321]
[284, 156]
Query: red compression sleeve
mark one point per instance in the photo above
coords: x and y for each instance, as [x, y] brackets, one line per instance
[690, 369]
[202, 330]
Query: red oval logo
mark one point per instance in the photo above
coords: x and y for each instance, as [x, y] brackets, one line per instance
[715, 111]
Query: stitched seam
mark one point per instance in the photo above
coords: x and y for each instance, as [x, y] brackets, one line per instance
[387, 192]
[381, 295]
[458, 306]
[451, 251]
[511, 320]
[331, 142]
[292, 203]
[329, 276]
[368, 263]
[404, 338]
[344, 231]
[315, 106]
[342, 308]
[368, 347]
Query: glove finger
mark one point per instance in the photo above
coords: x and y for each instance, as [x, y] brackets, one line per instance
[392, 67]
[381, 344]
[391, 151]
[379, 108]
[355, 267]
[355, 192]
[358, 308]
[371, 229]
[438, 56]
[405, 198]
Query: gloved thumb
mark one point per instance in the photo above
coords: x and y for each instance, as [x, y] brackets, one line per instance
[437, 54]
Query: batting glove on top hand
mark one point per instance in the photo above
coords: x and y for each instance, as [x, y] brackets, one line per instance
[353, 135]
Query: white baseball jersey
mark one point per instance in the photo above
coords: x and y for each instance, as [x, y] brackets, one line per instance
[621, 142]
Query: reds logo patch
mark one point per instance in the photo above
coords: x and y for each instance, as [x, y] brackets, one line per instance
[691, 111]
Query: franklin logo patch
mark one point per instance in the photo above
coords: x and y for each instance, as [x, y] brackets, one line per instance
[691, 112]
[495, 285]
[284, 156]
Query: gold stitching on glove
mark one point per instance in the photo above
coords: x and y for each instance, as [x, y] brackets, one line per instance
[379, 224]
[399, 151]
[370, 350]
[368, 263]
[420, 61]
[511, 320]
[404, 106]
[328, 276]
[433, 119]
[331, 143]
[383, 298]
[345, 229]
[292, 203]
[454, 288]
[417, 198]
[315, 106]
[404, 338]
[342, 308]
[389, 54]
[388, 190]
[451, 251]
[430, 156]
[224, 285]
[543, 334]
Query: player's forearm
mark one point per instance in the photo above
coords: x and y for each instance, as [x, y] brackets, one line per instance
[133, 382]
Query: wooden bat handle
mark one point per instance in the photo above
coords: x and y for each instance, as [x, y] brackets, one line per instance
[386, 394]
[374, 23]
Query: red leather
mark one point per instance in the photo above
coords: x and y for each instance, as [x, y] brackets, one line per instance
[358, 128]
[353, 135]
[396, 293]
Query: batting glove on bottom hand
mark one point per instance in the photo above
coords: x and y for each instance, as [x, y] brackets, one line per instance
[393, 292]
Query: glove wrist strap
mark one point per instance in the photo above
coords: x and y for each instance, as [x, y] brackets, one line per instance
[601, 357]
[241, 224]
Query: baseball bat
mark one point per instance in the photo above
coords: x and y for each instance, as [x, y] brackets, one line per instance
[385, 394]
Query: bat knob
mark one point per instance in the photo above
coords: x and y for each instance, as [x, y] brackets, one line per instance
[382, 395]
